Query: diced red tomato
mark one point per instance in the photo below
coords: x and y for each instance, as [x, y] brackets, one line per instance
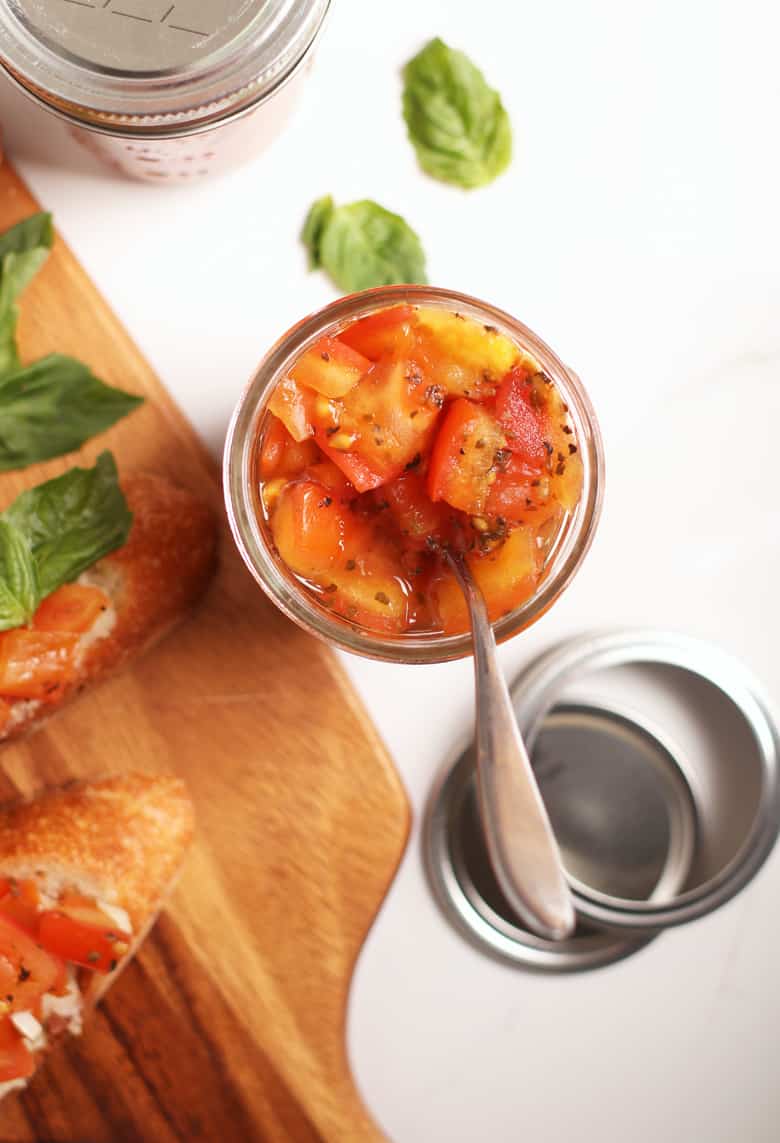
[281, 454]
[36, 664]
[26, 969]
[414, 513]
[16, 1059]
[506, 577]
[98, 946]
[325, 472]
[293, 404]
[19, 901]
[388, 331]
[308, 528]
[5, 714]
[465, 457]
[521, 407]
[382, 424]
[72, 608]
[330, 367]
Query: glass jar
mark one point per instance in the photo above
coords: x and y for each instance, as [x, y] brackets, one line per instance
[163, 90]
[245, 510]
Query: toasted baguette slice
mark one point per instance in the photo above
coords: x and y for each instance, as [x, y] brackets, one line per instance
[152, 581]
[121, 841]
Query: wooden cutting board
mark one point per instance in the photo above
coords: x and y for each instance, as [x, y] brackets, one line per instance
[229, 1024]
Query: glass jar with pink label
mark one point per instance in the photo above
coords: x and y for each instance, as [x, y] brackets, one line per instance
[163, 90]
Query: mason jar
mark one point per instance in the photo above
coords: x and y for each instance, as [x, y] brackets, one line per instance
[245, 510]
[163, 90]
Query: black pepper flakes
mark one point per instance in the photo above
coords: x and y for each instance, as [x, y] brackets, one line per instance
[332, 430]
[326, 502]
[325, 356]
[24, 974]
[572, 449]
[380, 597]
[548, 448]
[567, 429]
[490, 329]
[350, 565]
[113, 965]
[479, 443]
[414, 462]
[331, 587]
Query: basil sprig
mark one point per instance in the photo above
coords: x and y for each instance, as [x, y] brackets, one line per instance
[51, 407]
[55, 531]
[456, 122]
[54, 405]
[362, 245]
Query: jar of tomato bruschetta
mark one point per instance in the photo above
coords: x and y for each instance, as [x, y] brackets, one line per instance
[390, 426]
[162, 90]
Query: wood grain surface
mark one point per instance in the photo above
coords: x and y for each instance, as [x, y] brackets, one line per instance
[229, 1025]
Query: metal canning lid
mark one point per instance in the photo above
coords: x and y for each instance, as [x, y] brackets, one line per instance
[459, 867]
[155, 63]
[720, 732]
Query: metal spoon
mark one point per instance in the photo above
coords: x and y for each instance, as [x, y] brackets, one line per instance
[520, 841]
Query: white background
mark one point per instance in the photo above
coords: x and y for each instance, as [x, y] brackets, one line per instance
[637, 232]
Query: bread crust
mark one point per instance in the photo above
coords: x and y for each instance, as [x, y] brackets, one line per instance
[122, 839]
[153, 581]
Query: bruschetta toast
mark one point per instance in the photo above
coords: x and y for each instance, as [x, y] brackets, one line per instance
[84, 871]
[116, 609]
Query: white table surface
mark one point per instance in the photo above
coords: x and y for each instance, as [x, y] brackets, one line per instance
[637, 231]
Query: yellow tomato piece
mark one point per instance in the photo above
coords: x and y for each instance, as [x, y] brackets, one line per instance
[506, 576]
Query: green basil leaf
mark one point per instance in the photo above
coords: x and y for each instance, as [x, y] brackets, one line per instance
[30, 233]
[363, 245]
[456, 123]
[51, 407]
[70, 522]
[19, 592]
[23, 250]
[315, 223]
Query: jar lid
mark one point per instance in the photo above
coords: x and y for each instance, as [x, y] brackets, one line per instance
[657, 759]
[172, 62]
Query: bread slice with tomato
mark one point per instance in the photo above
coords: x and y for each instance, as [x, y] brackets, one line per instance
[90, 628]
[84, 871]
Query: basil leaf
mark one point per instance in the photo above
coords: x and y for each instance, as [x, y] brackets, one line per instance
[52, 407]
[363, 245]
[456, 123]
[29, 234]
[19, 592]
[70, 522]
[23, 250]
[315, 223]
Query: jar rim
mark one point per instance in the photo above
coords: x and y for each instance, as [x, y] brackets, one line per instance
[227, 75]
[242, 502]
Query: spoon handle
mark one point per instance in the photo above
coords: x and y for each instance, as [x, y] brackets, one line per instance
[522, 848]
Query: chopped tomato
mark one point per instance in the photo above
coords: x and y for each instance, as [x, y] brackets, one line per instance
[467, 451]
[520, 494]
[16, 1059]
[308, 528]
[293, 404]
[36, 664]
[73, 608]
[382, 424]
[96, 946]
[467, 359]
[388, 331]
[19, 901]
[415, 515]
[26, 969]
[506, 577]
[5, 713]
[327, 473]
[522, 409]
[330, 367]
[281, 454]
